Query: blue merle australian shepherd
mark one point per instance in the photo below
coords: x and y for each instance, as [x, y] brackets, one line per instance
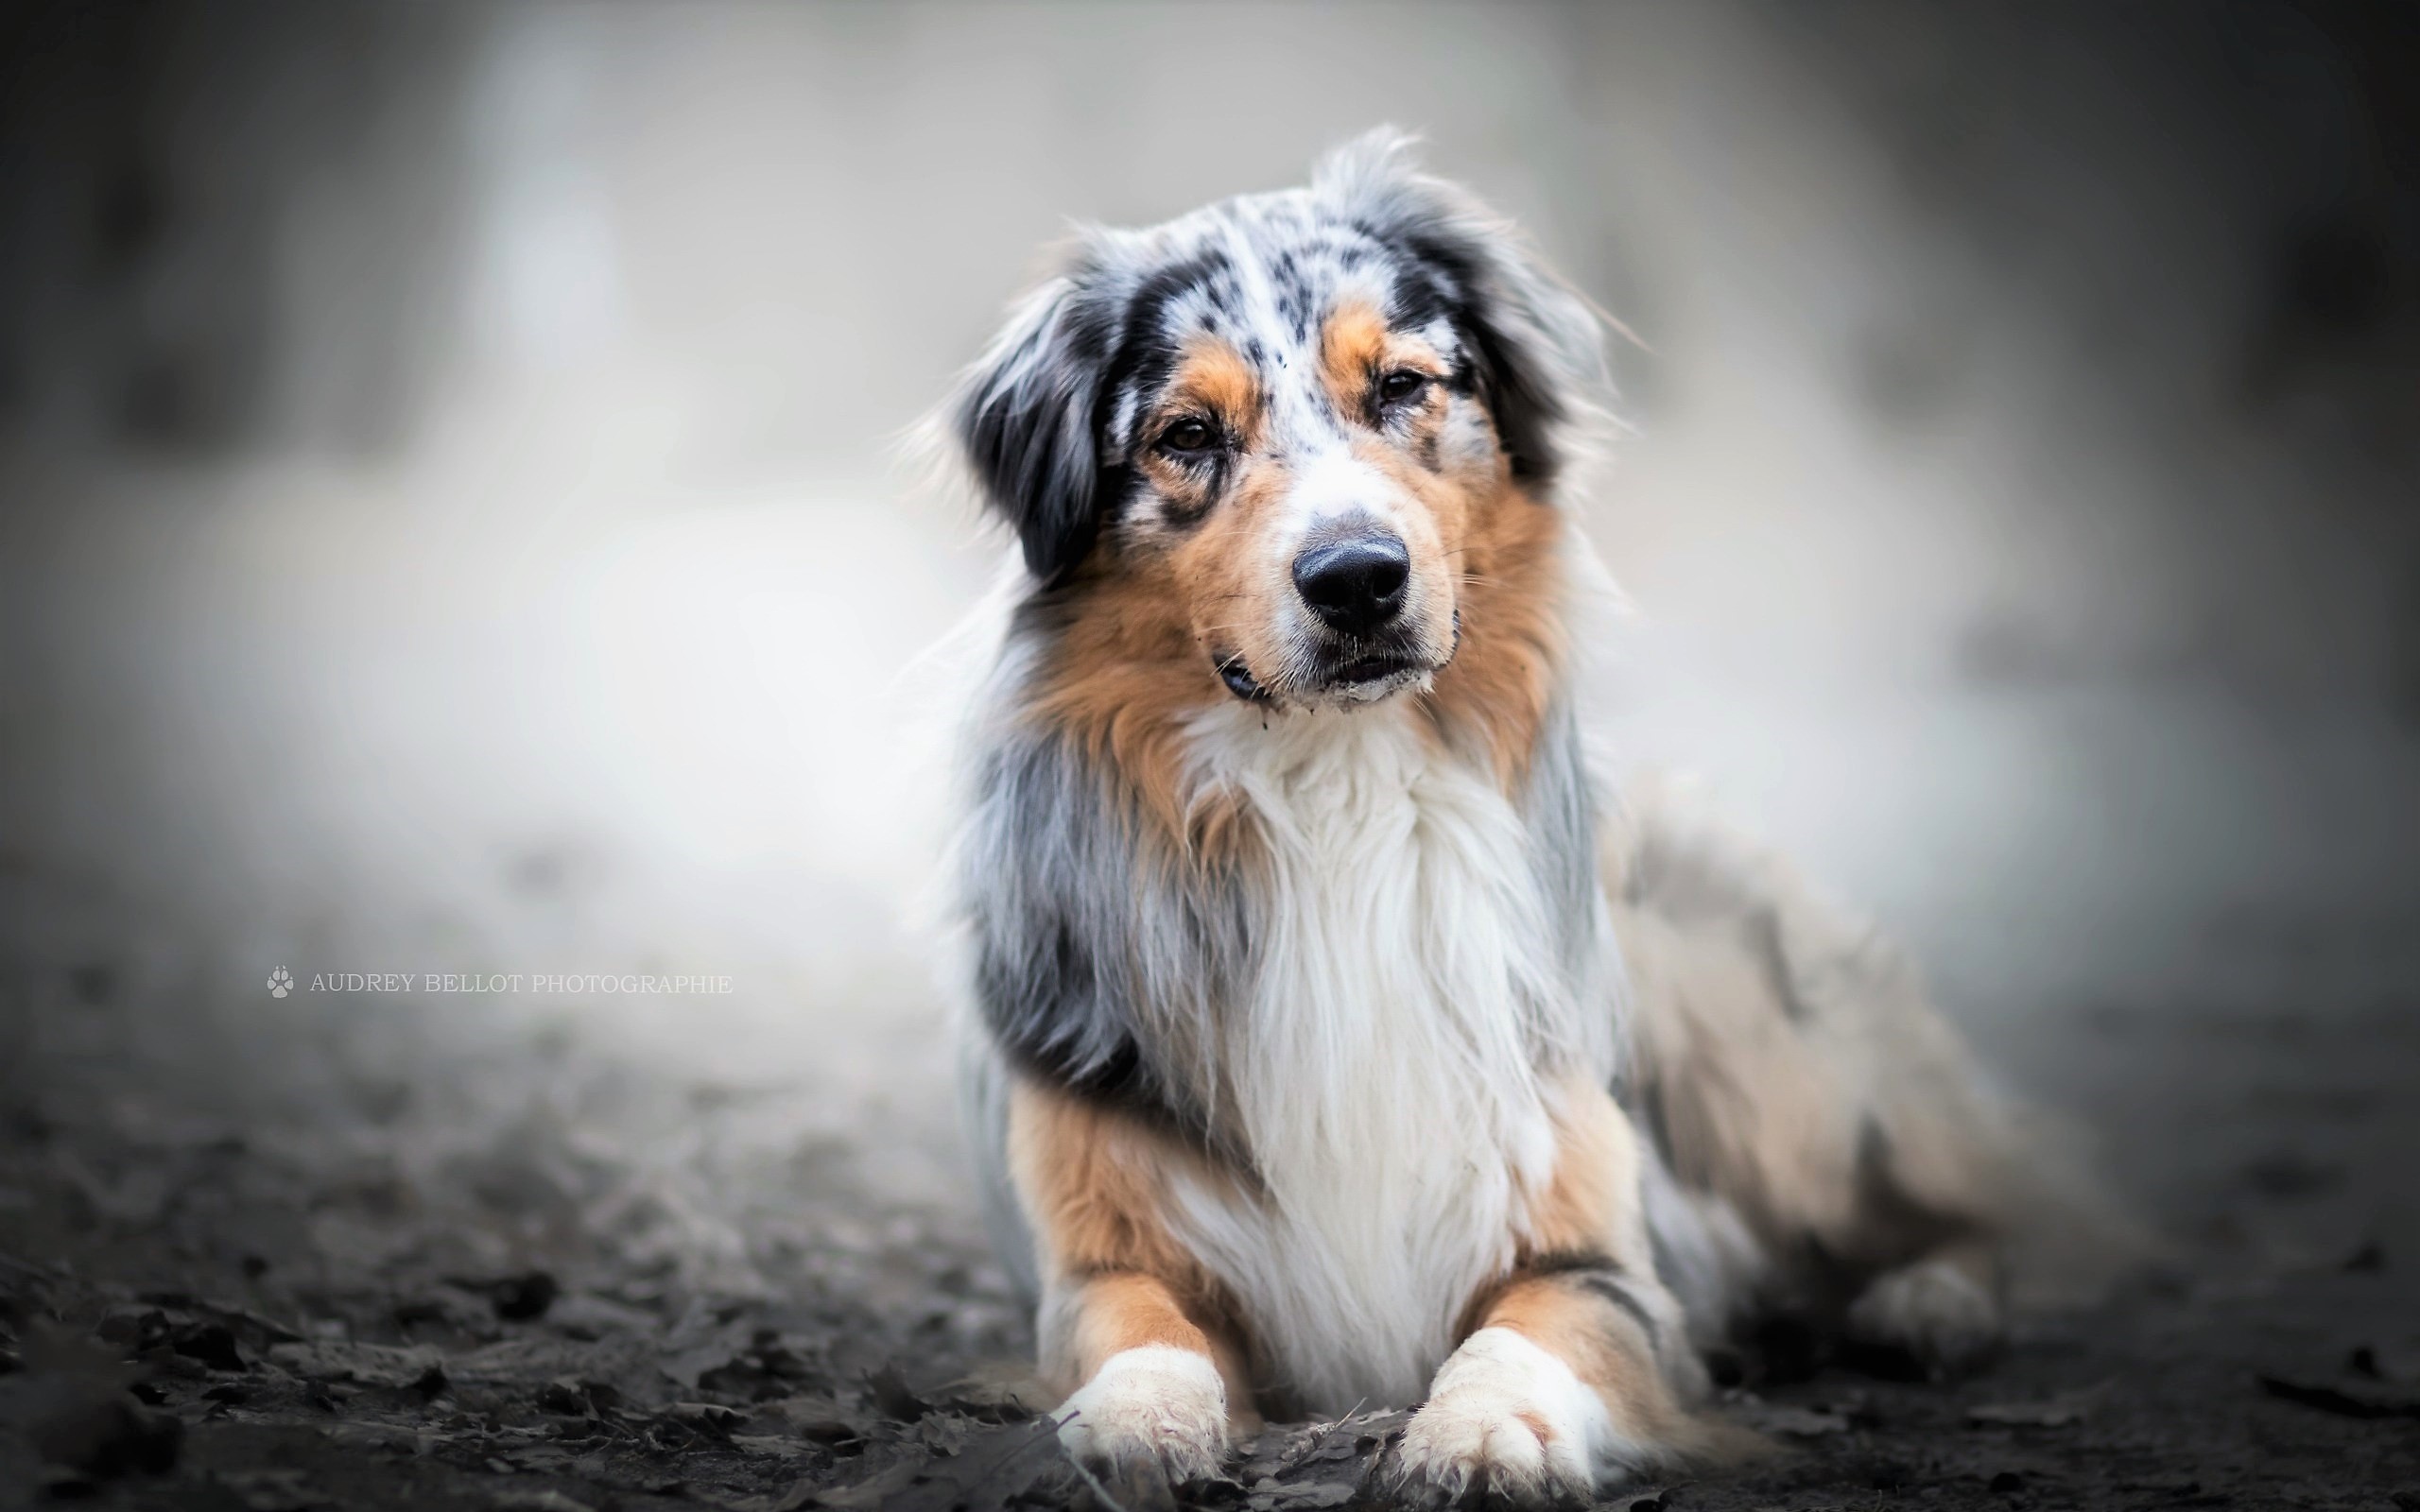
[1344, 1039]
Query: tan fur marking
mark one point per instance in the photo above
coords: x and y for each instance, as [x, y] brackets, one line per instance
[1141, 650]
[1216, 376]
[1130, 1311]
[1356, 346]
[1503, 678]
[1212, 382]
[1591, 1203]
[1092, 1181]
[1122, 678]
[1353, 345]
[1602, 1345]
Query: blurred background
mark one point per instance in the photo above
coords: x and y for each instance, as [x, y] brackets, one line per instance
[451, 521]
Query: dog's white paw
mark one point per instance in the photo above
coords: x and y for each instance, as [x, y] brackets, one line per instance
[1932, 1310]
[1507, 1418]
[1156, 1406]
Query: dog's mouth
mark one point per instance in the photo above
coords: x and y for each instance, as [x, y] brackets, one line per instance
[1363, 679]
[1365, 675]
[1384, 666]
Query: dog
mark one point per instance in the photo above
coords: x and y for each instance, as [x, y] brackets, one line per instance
[1343, 1037]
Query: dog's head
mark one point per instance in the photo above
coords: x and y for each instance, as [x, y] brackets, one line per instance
[1288, 417]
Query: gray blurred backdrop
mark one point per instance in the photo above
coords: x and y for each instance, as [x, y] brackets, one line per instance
[452, 519]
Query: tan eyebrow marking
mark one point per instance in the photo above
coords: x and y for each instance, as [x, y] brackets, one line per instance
[1356, 345]
[1215, 376]
[1351, 344]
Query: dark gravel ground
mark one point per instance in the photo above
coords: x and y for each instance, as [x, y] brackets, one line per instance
[279, 1262]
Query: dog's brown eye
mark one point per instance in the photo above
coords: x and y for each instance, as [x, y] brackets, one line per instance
[1189, 434]
[1401, 385]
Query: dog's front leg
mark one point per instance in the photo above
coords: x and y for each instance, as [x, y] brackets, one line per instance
[1573, 1373]
[1153, 1399]
[1557, 1392]
[1129, 1324]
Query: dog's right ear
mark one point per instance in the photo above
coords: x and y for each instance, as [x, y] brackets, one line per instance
[1027, 414]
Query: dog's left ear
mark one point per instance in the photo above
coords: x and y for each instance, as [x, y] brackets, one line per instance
[1027, 414]
[1538, 346]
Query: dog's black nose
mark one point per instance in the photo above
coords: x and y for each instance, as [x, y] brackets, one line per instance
[1355, 585]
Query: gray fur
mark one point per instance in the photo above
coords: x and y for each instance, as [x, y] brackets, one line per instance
[1559, 806]
[1088, 942]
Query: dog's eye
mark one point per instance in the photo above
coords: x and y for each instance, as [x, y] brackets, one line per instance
[1190, 433]
[1400, 385]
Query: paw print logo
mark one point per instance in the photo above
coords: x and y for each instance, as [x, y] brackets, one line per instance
[279, 983]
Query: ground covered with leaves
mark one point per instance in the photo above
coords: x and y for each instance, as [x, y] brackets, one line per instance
[259, 1256]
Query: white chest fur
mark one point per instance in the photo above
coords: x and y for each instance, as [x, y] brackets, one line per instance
[1382, 1066]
